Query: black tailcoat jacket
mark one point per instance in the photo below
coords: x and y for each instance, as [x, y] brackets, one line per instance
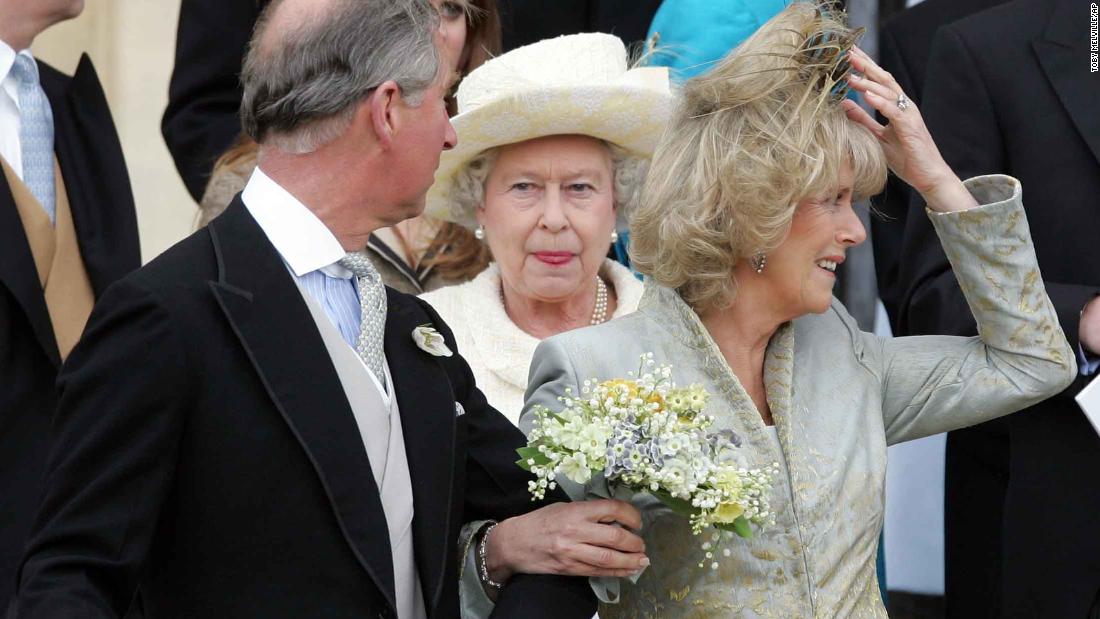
[1009, 90]
[102, 205]
[205, 451]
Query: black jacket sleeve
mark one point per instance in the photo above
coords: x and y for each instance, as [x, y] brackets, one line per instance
[496, 488]
[204, 95]
[115, 438]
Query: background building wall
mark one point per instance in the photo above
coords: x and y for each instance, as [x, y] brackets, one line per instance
[132, 46]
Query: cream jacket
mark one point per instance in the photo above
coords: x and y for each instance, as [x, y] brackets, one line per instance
[499, 352]
[839, 397]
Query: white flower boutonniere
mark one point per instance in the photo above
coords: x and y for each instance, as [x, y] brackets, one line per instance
[430, 341]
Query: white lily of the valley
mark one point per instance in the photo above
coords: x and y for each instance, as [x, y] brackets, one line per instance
[430, 341]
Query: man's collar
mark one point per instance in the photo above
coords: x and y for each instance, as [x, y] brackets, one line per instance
[7, 59]
[303, 240]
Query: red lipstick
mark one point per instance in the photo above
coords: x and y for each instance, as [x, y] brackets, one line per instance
[554, 257]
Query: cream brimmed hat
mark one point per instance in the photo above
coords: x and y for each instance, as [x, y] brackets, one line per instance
[574, 84]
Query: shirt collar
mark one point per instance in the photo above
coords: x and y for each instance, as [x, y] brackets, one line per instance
[7, 59]
[304, 242]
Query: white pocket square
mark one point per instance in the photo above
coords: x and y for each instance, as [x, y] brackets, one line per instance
[459, 411]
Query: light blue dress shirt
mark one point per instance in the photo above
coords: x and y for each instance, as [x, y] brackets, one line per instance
[311, 253]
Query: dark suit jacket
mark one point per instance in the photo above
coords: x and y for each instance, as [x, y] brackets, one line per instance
[204, 95]
[102, 205]
[527, 21]
[205, 450]
[904, 44]
[1009, 91]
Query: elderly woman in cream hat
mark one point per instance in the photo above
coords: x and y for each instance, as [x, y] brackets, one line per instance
[553, 143]
[747, 211]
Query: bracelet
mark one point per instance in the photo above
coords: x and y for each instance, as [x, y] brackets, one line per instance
[483, 572]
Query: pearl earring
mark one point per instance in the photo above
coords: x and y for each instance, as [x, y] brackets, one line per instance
[758, 261]
[614, 236]
[479, 233]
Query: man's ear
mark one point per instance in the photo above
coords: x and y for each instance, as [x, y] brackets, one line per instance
[383, 105]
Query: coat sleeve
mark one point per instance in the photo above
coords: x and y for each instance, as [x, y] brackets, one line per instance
[204, 94]
[115, 440]
[932, 384]
[496, 488]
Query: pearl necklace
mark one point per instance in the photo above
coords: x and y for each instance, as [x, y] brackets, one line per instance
[599, 313]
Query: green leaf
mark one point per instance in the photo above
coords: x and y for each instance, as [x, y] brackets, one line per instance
[680, 506]
[531, 453]
[741, 527]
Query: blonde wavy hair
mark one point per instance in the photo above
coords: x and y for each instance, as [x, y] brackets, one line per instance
[750, 139]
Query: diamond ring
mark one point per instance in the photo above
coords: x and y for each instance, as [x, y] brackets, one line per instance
[903, 102]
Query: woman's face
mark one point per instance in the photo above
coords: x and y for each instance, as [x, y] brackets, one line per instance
[800, 272]
[548, 215]
[452, 27]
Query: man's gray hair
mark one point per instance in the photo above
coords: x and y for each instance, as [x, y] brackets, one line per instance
[301, 89]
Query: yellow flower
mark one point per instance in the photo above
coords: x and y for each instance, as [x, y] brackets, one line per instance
[729, 481]
[727, 513]
[632, 391]
[631, 386]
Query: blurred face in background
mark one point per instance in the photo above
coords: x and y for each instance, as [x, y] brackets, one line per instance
[453, 28]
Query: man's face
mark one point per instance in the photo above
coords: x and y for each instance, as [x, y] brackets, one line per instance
[426, 132]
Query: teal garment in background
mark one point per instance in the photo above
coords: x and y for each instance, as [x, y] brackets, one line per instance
[880, 567]
[694, 34]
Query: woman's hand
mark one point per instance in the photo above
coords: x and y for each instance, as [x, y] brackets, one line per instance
[910, 151]
[575, 539]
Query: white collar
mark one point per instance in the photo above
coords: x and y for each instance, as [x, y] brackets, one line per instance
[303, 240]
[7, 60]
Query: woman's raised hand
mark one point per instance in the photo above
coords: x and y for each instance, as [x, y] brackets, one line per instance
[575, 539]
[910, 151]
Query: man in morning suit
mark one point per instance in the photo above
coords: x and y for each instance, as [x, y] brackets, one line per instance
[1009, 91]
[67, 231]
[249, 428]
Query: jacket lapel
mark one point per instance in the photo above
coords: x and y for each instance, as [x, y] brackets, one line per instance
[427, 404]
[94, 171]
[19, 274]
[1062, 52]
[275, 327]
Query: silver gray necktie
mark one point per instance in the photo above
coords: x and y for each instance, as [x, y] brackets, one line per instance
[372, 302]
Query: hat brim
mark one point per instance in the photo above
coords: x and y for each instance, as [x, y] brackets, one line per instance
[631, 117]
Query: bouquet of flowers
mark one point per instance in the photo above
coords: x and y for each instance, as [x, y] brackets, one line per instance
[643, 434]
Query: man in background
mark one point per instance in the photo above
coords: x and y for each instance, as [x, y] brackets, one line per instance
[67, 231]
[1009, 91]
